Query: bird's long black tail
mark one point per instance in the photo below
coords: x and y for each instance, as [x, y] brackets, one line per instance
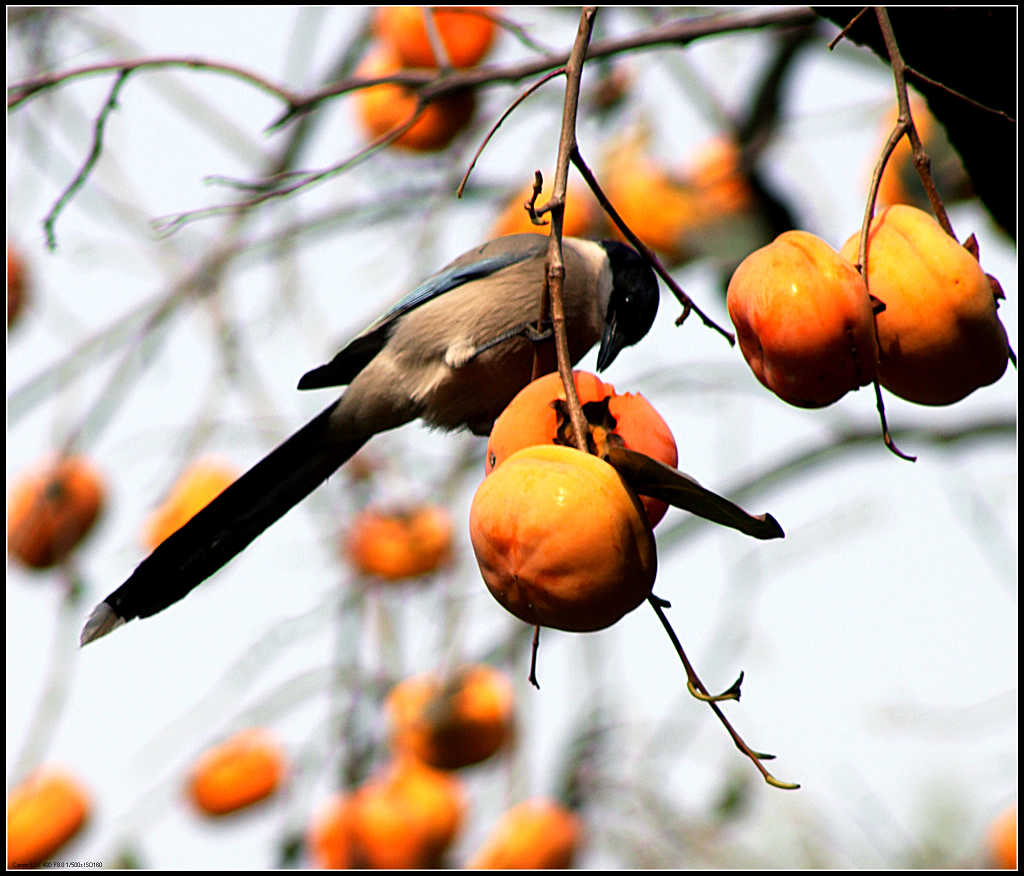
[227, 525]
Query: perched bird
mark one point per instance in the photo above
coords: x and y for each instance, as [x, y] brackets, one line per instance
[454, 352]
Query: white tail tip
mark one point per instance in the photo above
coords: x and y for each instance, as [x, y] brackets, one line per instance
[102, 620]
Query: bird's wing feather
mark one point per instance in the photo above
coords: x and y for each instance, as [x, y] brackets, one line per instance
[357, 354]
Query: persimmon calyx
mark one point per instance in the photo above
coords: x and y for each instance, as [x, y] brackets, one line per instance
[649, 477]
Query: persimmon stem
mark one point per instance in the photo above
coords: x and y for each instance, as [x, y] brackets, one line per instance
[696, 687]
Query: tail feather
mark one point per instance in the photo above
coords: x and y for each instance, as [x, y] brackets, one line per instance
[227, 525]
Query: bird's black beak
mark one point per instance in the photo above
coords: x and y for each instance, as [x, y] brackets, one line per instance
[612, 341]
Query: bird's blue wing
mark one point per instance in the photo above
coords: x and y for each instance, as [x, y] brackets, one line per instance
[343, 368]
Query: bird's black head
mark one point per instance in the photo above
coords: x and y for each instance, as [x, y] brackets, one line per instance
[633, 303]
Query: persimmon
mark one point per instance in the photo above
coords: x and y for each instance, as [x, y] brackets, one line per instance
[405, 817]
[535, 417]
[330, 838]
[1002, 840]
[581, 218]
[242, 770]
[199, 485]
[382, 108]
[17, 284]
[536, 835]
[804, 320]
[718, 178]
[662, 209]
[560, 539]
[51, 509]
[402, 543]
[452, 722]
[43, 813]
[939, 337]
[466, 33]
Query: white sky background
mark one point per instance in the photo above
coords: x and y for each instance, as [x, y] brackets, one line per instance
[879, 639]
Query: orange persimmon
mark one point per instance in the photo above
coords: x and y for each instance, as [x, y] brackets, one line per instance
[51, 509]
[199, 485]
[804, 320]
[238, 772]
[17, 284]
[400, 544]
[560, 539]
[719, 180]
[533, 417]
[1002, 840]
[405, 817]
[381, 108]
[330, 838]
[452, 722]
[536, 835]
[939, 337]
[466, 33]
[43, 813]
[661, 208]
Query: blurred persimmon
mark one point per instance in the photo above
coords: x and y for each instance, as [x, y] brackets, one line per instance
[939, 337]
[1002, 840]
[455, 721]
[466, 33]
[405, 817]
[51, 509]
[804, 320]
[330, 837]
[43, 813]
[382, 108]
[581, 218]
[900, 183]
[240, 771]
[662, 209]
[17, 284]
[560, 539]
[400, 544]
[199, 485]
[535, 417]
[719, 180]
[536, 835]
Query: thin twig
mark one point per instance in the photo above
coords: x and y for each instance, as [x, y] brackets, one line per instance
[90, 162]
[494, 128]
[693, 681]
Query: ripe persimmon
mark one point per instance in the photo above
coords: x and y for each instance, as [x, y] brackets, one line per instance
[51, 509]
[199, 485]
[455, 721]
[238, 772]
[17, 284]
[381, 108]
[466, 33]
[536, 835]
[534, 417]
[405, 817]
[43, 813]
[661, 208]
[804, 320]
[1002, 840]
[400, 544]
[939, 337]
[561, 540]
[330, 839]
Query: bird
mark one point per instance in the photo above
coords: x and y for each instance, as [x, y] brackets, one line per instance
[453, 352]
